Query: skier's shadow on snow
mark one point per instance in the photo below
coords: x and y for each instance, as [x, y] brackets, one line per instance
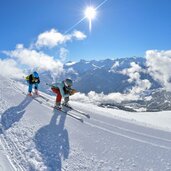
[14, 114]
[52, 142]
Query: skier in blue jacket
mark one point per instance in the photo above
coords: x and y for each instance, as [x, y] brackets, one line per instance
[33, 79]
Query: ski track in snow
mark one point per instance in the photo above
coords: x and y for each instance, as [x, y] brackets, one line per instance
[134, 135]
[98, 144]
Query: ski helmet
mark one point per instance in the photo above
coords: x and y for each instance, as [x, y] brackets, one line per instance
[68, 82]
[35, 74]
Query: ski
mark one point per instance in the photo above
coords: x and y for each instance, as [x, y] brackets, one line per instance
[80, 112]
[43, 97]
[61, 110]
[69, 114]
[34, 98]
[39, 101]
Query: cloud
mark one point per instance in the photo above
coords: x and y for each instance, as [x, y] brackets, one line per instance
[134, 76]
[34, 59]
[141, 85]
[54, 38]
[132, 72]
[9, 68]
[51, 38]
[159, 66]
[63, 54]
[79, 35]
[96, 98]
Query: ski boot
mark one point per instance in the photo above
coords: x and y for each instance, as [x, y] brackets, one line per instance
[29, 94]
[36, 92]
[66, 104]
[58, 106]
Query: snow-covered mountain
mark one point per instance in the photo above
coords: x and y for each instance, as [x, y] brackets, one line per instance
[105, 75]
[35, 137]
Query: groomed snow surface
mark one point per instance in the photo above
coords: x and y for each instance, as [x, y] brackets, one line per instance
[33, 136]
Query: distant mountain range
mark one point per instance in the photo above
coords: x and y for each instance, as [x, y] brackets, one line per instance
[101, 76]
[104, 75]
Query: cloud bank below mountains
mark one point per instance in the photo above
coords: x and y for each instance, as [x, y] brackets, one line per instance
[98, 98]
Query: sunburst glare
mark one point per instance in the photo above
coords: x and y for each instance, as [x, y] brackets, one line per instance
[90, 14]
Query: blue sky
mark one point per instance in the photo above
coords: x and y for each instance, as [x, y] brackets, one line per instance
[122, 28]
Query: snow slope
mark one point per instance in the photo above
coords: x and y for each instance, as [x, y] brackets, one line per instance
[34, 137]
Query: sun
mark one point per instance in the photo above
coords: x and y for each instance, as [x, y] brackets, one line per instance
[90, 14]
